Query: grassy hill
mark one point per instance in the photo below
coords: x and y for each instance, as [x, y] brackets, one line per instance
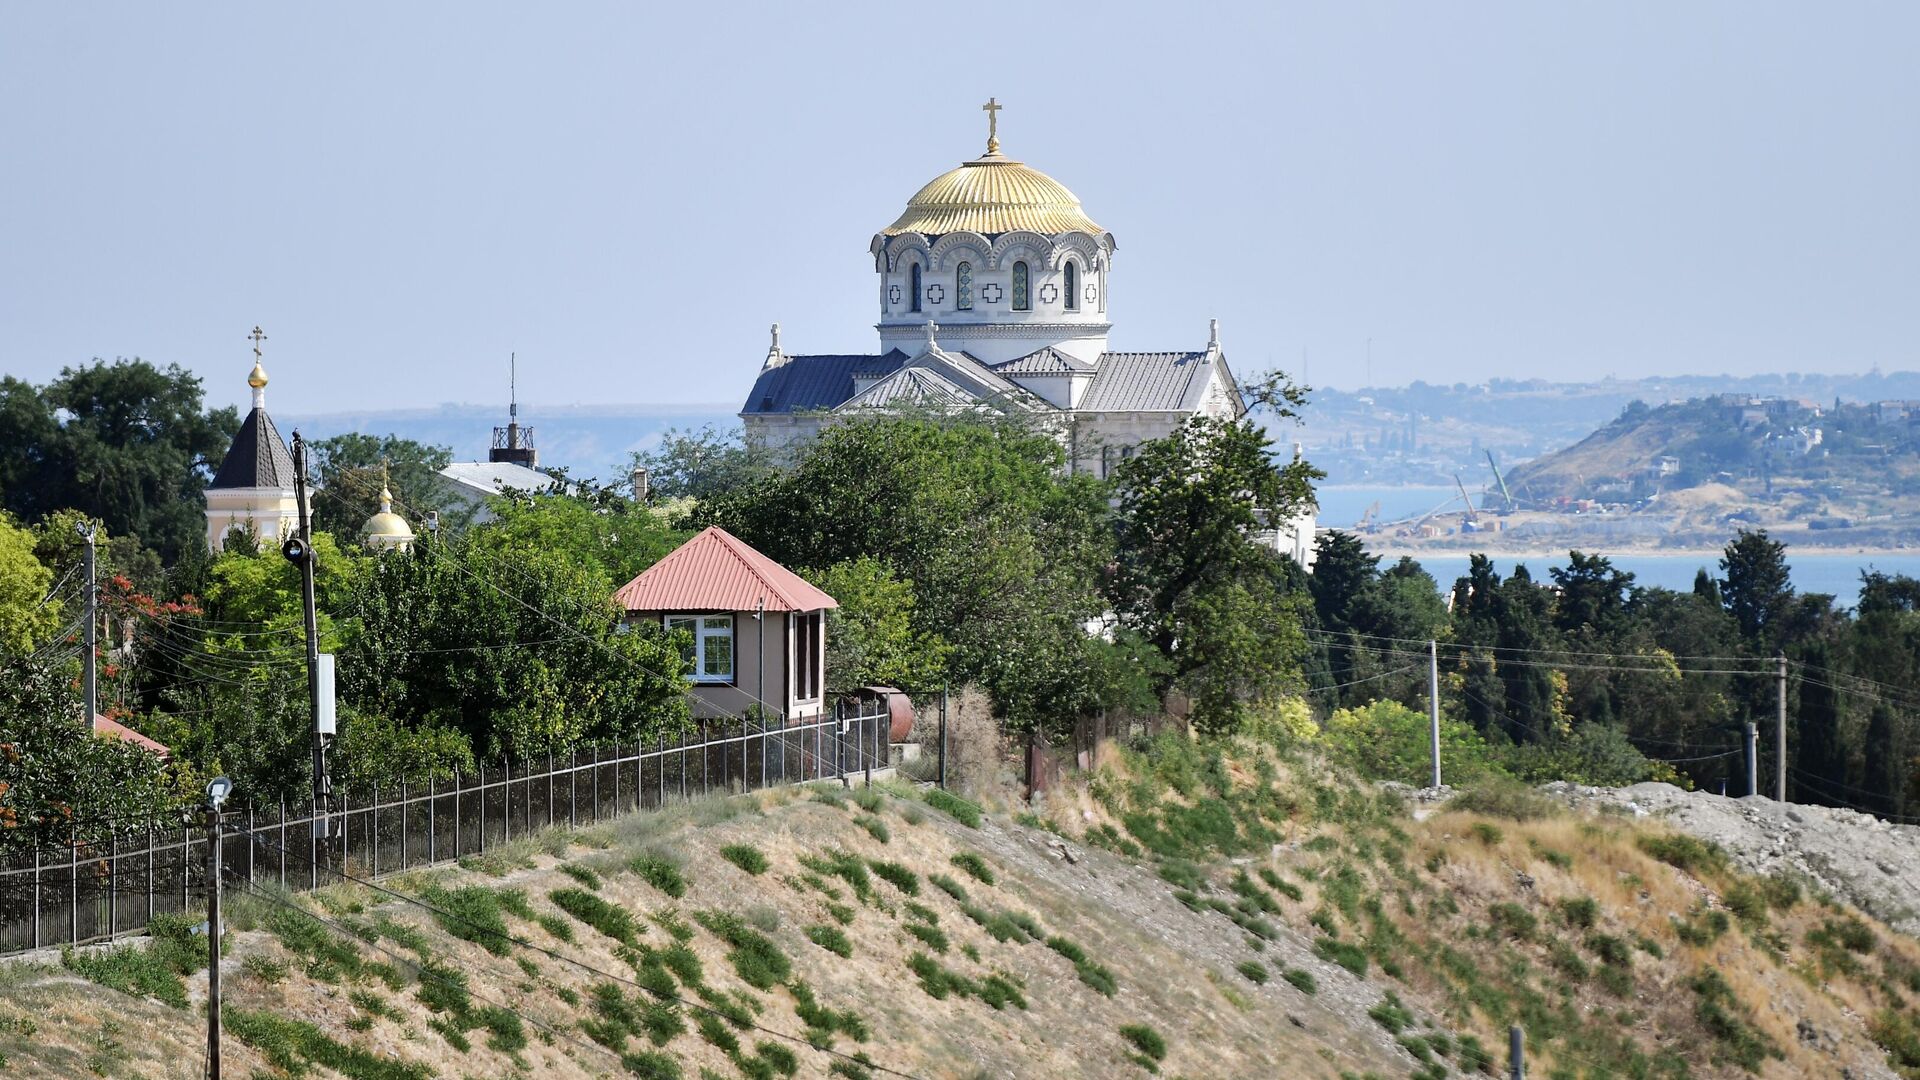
[1183, 911]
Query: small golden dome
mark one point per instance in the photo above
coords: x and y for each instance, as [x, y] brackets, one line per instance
[387, 530]
[993, 194]
[258, 379]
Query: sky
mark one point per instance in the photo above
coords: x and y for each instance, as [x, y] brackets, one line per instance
[626, 195]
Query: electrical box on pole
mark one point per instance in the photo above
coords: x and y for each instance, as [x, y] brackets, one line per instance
[324, 715]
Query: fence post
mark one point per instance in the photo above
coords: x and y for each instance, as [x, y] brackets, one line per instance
[404, 808]
[456, 814]
[186, 853]
[36, 888]
[573, 789]
[660, 770]
[433, 798]
[549, 789]
[1516, 1053]
[73, 884]
[506, 801]
[595, 786]
[313, 843]
[250, 841]
[346, 830]
[943, 738]
[373, 833]
[113, 881]
[282, 860]
[762, 723]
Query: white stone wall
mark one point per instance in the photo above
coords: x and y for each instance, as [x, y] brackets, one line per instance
[991, 329]
[272, 513]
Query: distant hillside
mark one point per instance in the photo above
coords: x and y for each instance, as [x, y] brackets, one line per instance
[1852, 459]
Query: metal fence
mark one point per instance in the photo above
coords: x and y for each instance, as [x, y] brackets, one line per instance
[91, 890]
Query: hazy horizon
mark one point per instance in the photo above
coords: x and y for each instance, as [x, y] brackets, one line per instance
[627, 197]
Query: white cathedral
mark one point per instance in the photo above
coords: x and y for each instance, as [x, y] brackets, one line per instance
[993, 295]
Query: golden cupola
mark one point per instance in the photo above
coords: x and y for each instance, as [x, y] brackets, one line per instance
[386, 530]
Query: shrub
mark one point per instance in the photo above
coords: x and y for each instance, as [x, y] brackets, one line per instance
[875, 827]
[896, 875]
[1506, 799]
[954, 806]
[845, 865]
[1391, 1014]
[265, 968]
[1512, 920]
[921, 912]
[756, 959]
[660, 873]
[1684, 852]
[1346, 954]
[832, 939]
[975, 866]
[1280, 885]
[1254, 971]
[582, 874]
[1780, 891]
[1579, 911]
[1301, 980]
[472, 913]
[1486, 832]
[1703, 930]
[294, 1045]
[652, 1065]
[130, 970]
[589, 908]
[932, 936]
[555, 925]
[949, 886]
[1146, 1040]
[1611, 950]
[746, 857]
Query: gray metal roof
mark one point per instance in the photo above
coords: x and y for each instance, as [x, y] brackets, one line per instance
[1147, 382]
[810, 383]
[911, 386]
[258, 457]
[493, 477]
[1048, 361]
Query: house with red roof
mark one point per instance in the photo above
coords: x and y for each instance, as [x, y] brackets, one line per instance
[756, 631]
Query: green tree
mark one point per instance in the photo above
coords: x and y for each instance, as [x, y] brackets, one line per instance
[1756, 586]
[1889, 763]
[126, 443]
[592, 527]
[1821, 753]
[702, 464]
[1343, 573]
[350, 468]
[28, 615]
[871, 637]
[1592, 596]
[1190, 577]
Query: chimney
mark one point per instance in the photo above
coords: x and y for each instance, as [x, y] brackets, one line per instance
[639, 484]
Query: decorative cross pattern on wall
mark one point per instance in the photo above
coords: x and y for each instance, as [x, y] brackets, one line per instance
[935, 294]
[1092, 293]
[990, 293]
[1049, 293]
[893, 294]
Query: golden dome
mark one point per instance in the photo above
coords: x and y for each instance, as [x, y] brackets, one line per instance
[386, 529]
[258, 378]
[993, 194]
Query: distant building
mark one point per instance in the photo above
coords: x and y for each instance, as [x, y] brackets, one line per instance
[254, 490]
[511, 465]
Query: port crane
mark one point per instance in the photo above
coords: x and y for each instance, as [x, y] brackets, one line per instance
[1501, 480]
[1466, 499]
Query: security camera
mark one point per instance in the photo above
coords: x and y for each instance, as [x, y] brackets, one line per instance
[296, 550]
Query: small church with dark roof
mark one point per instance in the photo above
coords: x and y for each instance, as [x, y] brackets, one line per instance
[993, 296]
[254, 489]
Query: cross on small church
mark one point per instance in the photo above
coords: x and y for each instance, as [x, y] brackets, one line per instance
[256, 337]
[992, 109]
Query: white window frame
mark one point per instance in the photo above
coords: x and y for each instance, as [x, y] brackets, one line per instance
[698, 626]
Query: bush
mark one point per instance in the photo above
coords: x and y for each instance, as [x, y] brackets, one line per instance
[1486, 832]
[660, 873]
[1512, 920]
[1391, 1014]
[1344, 953]
[975, 866]
[954, 806]
[932, 936]
[1388, 741]
[756, 959]
[1254, 971]
[949, 886]
[746, 857]
[472, 913]
[582, 874]
[1684, 852]
[1506, 799]
[1579, 911]
[875, 827]
[1301, 980]
[832, 939]
[1146, 1040]
[589, 908]
[896, 875]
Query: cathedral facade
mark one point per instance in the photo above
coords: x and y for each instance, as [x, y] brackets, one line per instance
[993, 287]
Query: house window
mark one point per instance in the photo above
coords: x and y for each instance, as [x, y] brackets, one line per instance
[963, 287]
[711, 649]
[1073, 286]
[913, 276]
[806, 656]
[1022, 288]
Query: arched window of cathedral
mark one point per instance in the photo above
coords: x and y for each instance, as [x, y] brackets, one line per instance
[1072, 284]
[913, 280]
[963, 287]
[1022, 288]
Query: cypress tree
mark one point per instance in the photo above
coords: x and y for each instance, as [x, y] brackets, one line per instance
[1822, 753]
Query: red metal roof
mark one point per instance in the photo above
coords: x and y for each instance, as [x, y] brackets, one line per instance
[110, 729]
[717, 571]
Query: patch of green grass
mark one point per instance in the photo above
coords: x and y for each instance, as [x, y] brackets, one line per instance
[615, 922]
[1684, 852]
[130, 970]
[932, 936]
[1510, 920]
[660, 872]
[1705, 928]
[1301, 980]
[1578, 911]
[921, 913]
[832, 939]
[1487, 833]
[825, 1021]
[1725, 1018]
[295, 1045]
[875, 827]
[959, 809]
[1280, 885]
[265, 968]
[996, 991]
[893, 873]
[472, 913]
[845, 865]
[1391, 1014]
[556, 926]
[975, 866]
[585, 875]
[759, 962]
[668, 919]
[746, 857]
[840, 913]
[652, 1065]
[1146, 1040]
[949, 886]
[1254, 971]
[1344, 953]
[869, 799]
[1511, 800]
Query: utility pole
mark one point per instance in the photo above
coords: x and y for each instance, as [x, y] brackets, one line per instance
[217, 791]
[1780, 730]
[300, 551]
[1433, 704]
[1516, 1053]
[1753, 758]
[89, 679]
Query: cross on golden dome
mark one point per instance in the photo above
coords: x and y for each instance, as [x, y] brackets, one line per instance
[992, 109]
[258, 378]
